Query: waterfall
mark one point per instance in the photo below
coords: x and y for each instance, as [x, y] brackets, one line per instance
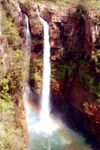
[46, 123]
[46, 74]
[1, 43]
[27, 35]
[0, 24]
[0, 20]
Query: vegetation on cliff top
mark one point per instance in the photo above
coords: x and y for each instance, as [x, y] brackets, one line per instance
[89, 4]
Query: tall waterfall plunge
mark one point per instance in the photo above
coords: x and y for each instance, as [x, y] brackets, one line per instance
[27, 36]
[1, 43]
[45, 123]
[27, 41]
[0, 22]
[46, 75]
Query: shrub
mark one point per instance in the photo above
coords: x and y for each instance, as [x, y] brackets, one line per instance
[11, 78]
[27, 4]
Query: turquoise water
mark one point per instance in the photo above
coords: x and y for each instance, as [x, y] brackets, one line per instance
[62, 138]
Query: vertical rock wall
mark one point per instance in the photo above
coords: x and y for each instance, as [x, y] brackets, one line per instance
[74, 40]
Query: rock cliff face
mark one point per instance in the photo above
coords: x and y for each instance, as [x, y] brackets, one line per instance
[75, 62]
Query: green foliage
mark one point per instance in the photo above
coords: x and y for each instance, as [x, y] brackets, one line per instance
[85, 104]
[36, 73]
[11, 82]
[27, 5]
[12, 36]
[94, 56]
[70, 68]
[39, 54]
[7, 8]
[79, 15]
[88, 80]
[57, 70]
[95, 4]
[18, 131]
[85, 74]
[96, 90]
[35, 24]
[79, 68]
[91, 4]
[11, 76]
[13, 46]
[6, 119]
[96, 19]
[60, 53]
[49, 2]
[6, 107]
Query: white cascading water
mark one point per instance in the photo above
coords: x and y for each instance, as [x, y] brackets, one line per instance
[1, 44]
[27, 57]
[46, 74]
[45, 122]
[0, 24]
[27, 35]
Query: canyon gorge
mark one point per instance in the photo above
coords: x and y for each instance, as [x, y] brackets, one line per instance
[75, 62]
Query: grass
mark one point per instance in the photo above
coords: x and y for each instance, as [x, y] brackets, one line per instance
[9, 134]
[88, 4]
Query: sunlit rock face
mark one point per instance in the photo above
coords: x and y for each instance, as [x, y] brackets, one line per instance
[70, 36]
[36, 26]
